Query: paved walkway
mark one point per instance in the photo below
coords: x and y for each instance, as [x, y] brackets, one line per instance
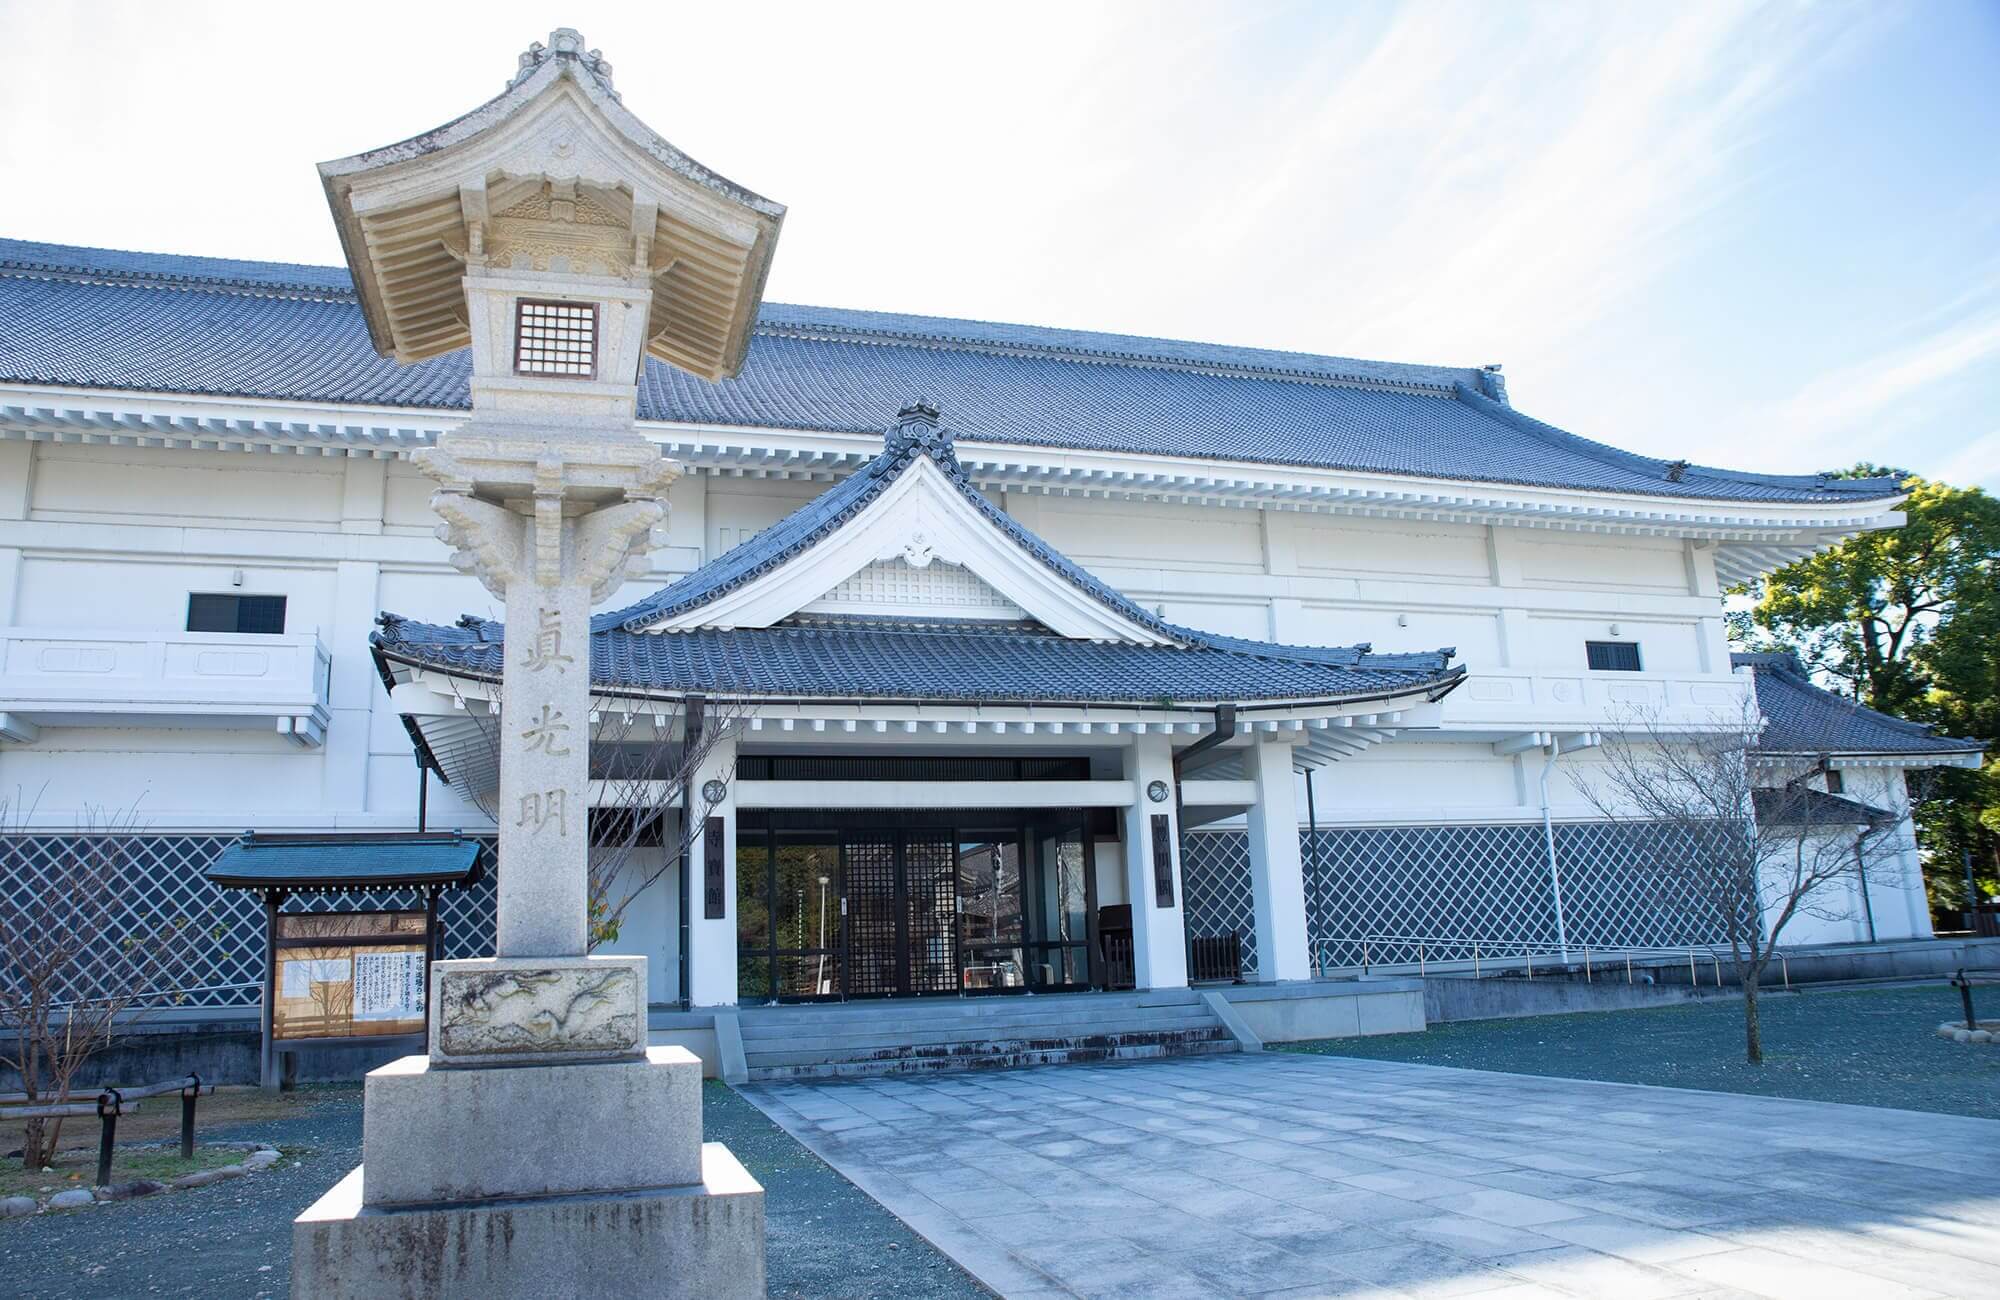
[1288, 1175]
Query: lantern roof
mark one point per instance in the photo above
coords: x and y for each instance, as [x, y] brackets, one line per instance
[554, 173]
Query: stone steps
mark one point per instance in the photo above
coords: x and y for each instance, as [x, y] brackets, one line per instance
[822, 1042]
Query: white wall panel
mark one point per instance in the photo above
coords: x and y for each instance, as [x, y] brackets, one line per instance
[285, 492]
[1556, 642]
[1420, 551]
[232, 777]
[1230, 618]
[61, 591]
[739, 509]
[1096, 532]
[1407, 775]
[1475, 634]
[1612, 563]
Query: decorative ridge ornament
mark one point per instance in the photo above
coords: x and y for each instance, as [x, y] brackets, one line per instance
[918, 429]
[564, 42]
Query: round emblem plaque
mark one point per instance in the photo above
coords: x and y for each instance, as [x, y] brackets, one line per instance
[1157, 791]
[714, 792]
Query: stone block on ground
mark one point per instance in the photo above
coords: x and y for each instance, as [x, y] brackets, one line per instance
[129, 1191]
[705, 1240]
[13, 1207]
[533, 1130]
[73, 1199]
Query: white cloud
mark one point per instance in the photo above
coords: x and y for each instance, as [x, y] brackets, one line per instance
[1428, 182]
[1977, 462]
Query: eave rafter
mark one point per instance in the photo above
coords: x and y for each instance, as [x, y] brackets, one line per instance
[1751, 538]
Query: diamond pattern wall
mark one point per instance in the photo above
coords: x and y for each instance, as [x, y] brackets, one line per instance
[166, 881]
[1215, 879]
[1453, 887]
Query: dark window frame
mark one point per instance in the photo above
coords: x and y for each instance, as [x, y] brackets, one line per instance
[1610, 656]
[527, 369]
[237, 606]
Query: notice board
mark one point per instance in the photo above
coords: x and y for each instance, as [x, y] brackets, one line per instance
[349, 974]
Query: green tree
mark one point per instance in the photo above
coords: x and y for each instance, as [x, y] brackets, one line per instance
[1907, 621]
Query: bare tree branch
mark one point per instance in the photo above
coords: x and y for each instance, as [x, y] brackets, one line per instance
[645, 758]
[80, 952]
[1744, 842]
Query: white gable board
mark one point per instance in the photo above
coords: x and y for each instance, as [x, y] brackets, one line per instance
[921, 520]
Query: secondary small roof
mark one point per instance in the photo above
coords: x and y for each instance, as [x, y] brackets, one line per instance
[1802, 719]
[368, 862]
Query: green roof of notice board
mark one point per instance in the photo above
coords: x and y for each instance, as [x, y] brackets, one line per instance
[374, 862]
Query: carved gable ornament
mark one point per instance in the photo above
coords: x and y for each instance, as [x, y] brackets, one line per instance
[553, 175]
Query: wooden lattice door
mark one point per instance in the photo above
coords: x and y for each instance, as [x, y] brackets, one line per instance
[930, 883]
[874, 938]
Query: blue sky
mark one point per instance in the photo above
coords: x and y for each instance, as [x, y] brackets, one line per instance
[1765, 236]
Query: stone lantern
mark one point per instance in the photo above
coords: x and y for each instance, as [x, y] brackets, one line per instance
[560, 240]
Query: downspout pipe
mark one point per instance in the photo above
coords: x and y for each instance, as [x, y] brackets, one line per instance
[1225, 730]
[1312, 854]
[1550, 753]
[1861, 871]
[692, 720]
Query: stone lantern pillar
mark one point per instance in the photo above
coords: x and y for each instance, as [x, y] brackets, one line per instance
[542, 1148]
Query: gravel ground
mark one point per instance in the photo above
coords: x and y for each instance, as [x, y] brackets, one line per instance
[1868, 1047]
[233, 1239]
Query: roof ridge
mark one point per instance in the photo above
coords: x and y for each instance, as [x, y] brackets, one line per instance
[119, 266]
[86, 264]
[999, 338]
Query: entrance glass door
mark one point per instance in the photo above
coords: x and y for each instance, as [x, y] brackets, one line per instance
[1060, 897]
[992, 902]
[788, 931]
[989, 896]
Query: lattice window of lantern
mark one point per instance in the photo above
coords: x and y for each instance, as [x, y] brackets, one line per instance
[555, 338]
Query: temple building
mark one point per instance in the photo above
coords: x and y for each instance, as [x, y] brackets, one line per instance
[999, 658]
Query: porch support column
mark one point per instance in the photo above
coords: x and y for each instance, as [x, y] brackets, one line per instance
[712, 940]
[1159, 934]
[1277, 881]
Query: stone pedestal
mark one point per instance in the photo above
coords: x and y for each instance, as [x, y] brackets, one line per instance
[535, 1180]
[702, 1240]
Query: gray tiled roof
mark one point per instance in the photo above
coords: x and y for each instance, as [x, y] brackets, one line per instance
[1808, 807]
[922, 659]
[1801, 718]
[317, 862]
[910, 659]
[157, 323]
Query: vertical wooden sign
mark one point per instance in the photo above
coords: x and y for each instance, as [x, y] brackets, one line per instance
[712, 901]
[1163, 861]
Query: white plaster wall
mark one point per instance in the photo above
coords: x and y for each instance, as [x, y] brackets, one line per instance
[651, 926]
[120, 536]
[1831, 914]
